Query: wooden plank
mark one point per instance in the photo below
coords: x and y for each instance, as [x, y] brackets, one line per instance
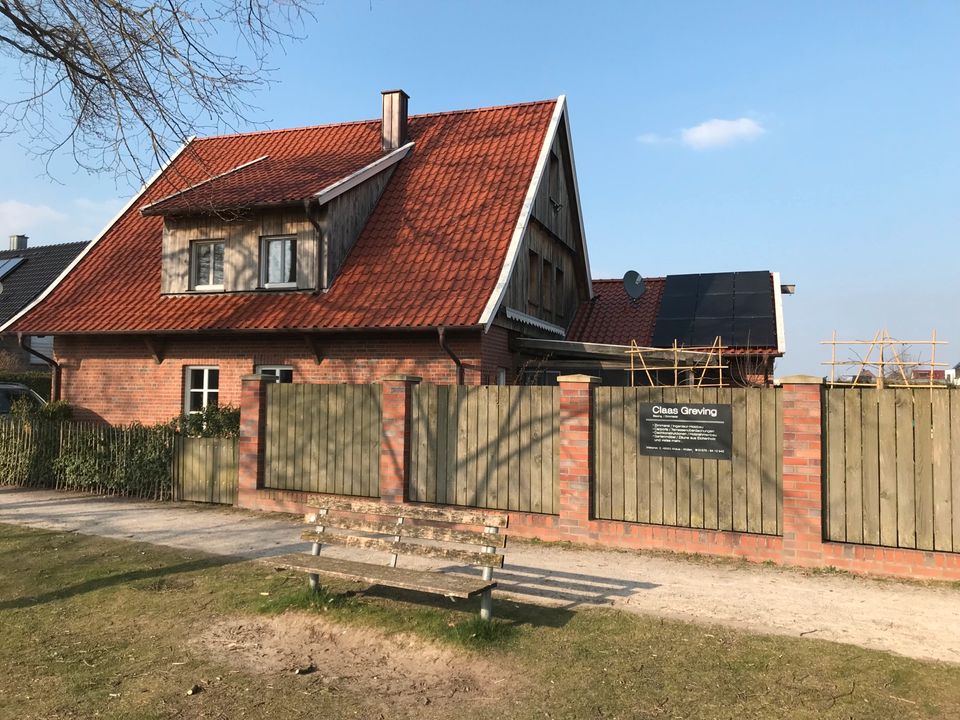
[738, 493]
[345, 521]
[617, 462]
[769, 438]
[779, 420]
[603, 401]
[421, 393]
[870, 419]
[955, 467]
[923, 467]
[655, 466]
[513, 430]
[493, 423]
[725, 477]
[708, 479]
[342, 419]
[299, 433]
[669, 473]
[754, 450]
[853, 461]
[535, 431]
[684, 470]
[887, 466]
[546, 450]
[470, 486]
[482, 489]
[416, 512]
[631, 444]
[439, 583]
[942, 496]
[503, 439]
[438, 458]
[355, 481]
[312, 403]
[906, 488]
[454, 410]
[269, 433]
[835, 447]
[482, 559]
[457, 494]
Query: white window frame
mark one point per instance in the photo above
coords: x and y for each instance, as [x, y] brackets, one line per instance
[204, 287]
[273, 371]
[205, 390]
[265, 261]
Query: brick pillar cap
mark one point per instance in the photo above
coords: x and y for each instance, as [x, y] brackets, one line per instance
[579, 379]
[255, 376]
[401, 378]
[800, 380]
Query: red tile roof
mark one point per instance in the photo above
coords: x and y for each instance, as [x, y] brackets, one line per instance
[612, 318]
[430, 253]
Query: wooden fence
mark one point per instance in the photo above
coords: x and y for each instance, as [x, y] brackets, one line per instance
[90, 457]
[892, 466]
[743, 494]
[205, 469]
[486, 446]
[323, 438]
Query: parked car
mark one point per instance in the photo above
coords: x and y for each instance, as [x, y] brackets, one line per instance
[11, 392]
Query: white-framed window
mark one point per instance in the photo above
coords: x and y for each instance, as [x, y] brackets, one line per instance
[206, 265]
[282, 373]
[201, 387]
[278, 262]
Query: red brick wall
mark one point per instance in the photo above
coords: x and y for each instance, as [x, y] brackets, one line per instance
[116, 379]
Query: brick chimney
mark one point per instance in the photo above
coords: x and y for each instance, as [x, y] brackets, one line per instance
[18, 242]
[394, 127]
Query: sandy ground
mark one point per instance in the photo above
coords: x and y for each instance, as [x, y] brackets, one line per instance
[920, 621]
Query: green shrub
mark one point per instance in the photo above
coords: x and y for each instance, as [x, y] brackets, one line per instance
[56, 411]
[215, 421]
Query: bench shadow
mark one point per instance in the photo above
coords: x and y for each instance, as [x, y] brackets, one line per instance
[116, 579]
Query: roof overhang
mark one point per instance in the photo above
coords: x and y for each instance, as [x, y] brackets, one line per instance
[601, 351]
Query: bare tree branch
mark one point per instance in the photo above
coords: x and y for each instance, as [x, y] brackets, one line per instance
[120, 84]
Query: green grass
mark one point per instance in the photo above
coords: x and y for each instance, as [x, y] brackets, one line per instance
[100, 628]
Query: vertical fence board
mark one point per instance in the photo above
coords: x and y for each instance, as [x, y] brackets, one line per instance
[740, 460]
[770, 437]
[631, 490]
[940, 429]
[853, 461]
[923, 468]
[754, 488]
[955, 467]
[870, 422]
[906, 483]
[887, 433]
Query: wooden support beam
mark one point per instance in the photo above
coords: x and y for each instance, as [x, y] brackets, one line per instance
[156, 347]
[314, 346]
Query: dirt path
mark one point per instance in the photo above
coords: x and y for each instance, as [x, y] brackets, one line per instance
[909, 619]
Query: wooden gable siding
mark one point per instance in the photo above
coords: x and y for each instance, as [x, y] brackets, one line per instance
[554, 235]
[342, 219]
[241, 252]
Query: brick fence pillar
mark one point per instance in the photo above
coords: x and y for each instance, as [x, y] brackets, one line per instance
[253, 400]
[576, 453]
[802, 470]
[395, 437]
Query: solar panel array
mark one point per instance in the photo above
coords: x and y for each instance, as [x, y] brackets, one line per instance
[7, 266]
[736, 307]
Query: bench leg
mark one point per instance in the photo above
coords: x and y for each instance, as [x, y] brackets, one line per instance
[314, 583]
[486, 605]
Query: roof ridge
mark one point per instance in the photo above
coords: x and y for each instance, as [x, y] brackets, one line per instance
[344, 123]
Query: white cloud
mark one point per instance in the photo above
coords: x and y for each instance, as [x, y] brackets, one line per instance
[652, 139]
[77, 219]
[717, 133]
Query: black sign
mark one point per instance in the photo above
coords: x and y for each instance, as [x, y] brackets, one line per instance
[689, 430]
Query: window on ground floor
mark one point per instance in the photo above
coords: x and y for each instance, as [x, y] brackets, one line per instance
[280, 373]
[201, 388]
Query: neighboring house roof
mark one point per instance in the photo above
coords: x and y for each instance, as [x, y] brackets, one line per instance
[430, 254]
[38, 267]
[613, 318]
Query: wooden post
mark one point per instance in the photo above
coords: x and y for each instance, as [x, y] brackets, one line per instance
[315, 549]
[486, 599]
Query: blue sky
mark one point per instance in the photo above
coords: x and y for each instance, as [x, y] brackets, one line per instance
[818, 139]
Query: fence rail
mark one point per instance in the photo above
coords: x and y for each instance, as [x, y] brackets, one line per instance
[323, 438]
[743, 494]
[892, 464]
[486, 446]
[205, 469]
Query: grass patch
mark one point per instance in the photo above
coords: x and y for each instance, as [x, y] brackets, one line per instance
[103, 628]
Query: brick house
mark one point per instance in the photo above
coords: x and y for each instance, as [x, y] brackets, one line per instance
[338, 253]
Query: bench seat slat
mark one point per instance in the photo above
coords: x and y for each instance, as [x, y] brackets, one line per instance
[415, 512]
[405, 548]
[408, 530]
[448, 584]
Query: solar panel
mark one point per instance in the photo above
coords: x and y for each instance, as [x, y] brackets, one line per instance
[736, 307]
[7, 266]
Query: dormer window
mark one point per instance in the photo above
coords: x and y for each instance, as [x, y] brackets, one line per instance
[278, 262]
[206, 263]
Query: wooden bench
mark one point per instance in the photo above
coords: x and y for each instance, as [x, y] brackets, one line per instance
[402, 530]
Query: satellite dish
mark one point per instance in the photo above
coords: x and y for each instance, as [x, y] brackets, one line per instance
[633, 284]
